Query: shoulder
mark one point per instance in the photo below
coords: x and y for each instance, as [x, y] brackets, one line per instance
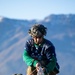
[28, 44]
[49, 47]
[48, 42]
[29, 41]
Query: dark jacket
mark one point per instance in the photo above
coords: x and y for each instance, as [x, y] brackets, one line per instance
[44, 52]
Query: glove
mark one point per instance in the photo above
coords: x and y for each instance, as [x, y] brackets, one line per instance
[37, 66]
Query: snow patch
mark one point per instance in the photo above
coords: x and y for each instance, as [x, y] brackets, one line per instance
[47, 20]
[1, 19]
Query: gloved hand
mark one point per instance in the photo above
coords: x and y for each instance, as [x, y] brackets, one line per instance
[37, 66]
[44, 69]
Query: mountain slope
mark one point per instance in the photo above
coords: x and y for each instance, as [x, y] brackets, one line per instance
[14, 33]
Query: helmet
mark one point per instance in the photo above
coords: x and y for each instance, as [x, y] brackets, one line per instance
[37, 30]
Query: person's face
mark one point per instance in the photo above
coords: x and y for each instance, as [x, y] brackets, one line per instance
[38, 40]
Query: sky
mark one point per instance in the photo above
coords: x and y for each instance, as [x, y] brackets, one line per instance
[35, 9]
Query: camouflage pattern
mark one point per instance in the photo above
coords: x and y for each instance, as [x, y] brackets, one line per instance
[37, 30]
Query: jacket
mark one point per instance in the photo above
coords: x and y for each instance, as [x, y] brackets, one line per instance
[44, 52]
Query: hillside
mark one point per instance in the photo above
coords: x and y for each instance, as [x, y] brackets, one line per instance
[14, 33]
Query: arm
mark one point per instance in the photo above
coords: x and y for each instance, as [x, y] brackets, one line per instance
[51, 65]
[29, 61]
[51, 56]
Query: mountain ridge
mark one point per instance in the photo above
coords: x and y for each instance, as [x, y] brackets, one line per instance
[14, 33]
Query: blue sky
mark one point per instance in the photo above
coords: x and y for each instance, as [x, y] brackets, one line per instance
[35, 9]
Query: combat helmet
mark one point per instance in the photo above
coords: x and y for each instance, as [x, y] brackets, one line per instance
[37, 30]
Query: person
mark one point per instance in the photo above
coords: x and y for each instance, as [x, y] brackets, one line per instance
[39, 51]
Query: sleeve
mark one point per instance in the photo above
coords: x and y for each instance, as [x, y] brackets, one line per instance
[29, 61]
[51, 56]
[26, 57]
